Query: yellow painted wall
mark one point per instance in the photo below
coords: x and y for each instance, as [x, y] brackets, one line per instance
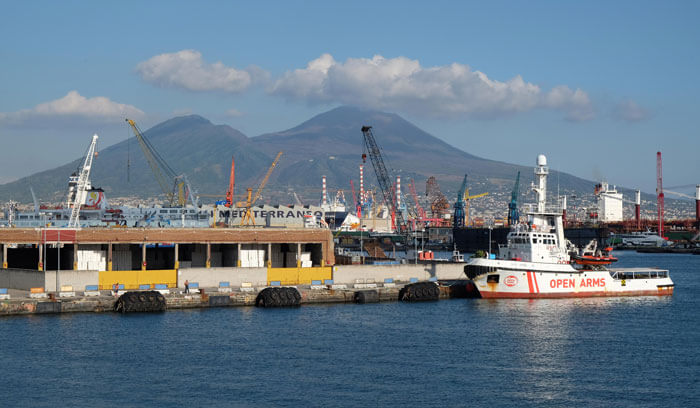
[299, 276]
[133, 279]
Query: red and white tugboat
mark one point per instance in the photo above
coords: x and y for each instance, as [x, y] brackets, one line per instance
[537, 262]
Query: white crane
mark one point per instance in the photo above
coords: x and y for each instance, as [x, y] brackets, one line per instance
[81, 187]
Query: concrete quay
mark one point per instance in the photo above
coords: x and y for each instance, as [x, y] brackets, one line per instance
[22, 304]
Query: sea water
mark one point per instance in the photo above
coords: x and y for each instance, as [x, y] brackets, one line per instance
[640, 351]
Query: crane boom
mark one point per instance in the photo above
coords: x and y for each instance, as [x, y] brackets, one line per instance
[296, 198]
[231, 184]
[80, 188]
[419, 210]
[467, 198]
[248, 216]
[382, 175]
[161, 170]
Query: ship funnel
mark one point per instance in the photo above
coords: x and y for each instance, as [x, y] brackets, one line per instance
[637, 209]
[697, 203]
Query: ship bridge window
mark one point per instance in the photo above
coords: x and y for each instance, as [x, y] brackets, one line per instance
[163, 211]
[640, 275]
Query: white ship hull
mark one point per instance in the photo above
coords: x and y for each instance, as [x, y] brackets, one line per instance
[513, 279]
[538, 262]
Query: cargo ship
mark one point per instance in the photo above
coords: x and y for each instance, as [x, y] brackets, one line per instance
[472, 239]
[539, 262]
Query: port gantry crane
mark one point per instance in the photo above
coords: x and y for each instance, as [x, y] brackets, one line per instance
[248, 218]
[163, 172]
[77, 196]
[467, 198]
[460, 204]
[513, 213]
[370, 144]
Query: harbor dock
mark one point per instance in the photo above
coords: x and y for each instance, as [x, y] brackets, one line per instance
[21, 302]
[64, 270]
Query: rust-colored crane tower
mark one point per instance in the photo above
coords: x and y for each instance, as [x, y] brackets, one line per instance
[231, 185]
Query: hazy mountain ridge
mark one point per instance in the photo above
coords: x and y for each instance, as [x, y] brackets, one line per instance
[328, 144]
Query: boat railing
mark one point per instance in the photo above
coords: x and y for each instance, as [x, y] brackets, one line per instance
[549, 209]
[643, 274]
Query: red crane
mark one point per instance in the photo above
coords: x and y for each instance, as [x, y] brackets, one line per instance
[660, 194]
[419, 209]
[231, 184]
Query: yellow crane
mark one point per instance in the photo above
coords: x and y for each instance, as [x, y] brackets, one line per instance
[248, 216]
[468, 197]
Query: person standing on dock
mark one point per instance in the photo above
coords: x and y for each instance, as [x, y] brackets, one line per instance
[115, 289]
[187, 286]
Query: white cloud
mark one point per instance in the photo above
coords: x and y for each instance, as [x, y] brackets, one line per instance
[442, 91]
[630, 111]
[74, 105]
[186, 69]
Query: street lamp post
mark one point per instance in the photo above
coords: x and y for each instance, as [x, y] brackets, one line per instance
[58, 254]
[490, 228]
[415, 246]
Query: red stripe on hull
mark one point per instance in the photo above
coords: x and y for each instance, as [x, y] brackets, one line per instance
[520, 295]
[529, 282]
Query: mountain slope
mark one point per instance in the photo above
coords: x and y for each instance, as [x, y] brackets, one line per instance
[328, 144]
[332, 144]
[191, 145]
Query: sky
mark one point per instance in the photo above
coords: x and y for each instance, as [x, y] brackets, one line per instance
[597, 86]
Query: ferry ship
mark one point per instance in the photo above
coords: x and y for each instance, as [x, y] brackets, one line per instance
[538, 261]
